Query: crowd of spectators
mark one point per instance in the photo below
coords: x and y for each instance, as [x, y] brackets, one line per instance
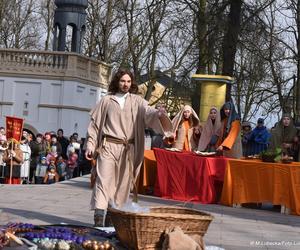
[42, 158]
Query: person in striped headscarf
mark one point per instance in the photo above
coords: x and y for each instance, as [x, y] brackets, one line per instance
[230, 138]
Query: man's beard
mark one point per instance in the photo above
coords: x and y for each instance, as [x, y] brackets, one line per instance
[123, 91]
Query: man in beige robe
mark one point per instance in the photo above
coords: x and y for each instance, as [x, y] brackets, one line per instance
[116, 134]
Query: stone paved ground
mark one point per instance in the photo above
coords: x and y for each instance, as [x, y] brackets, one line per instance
[68, 202]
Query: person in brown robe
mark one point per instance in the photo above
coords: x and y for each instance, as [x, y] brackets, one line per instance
[284, 136]
[229, 142]
[116, 134]
[13, 156]
[211, 131]
[186, 129]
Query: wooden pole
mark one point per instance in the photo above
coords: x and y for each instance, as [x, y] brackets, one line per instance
[11, 162]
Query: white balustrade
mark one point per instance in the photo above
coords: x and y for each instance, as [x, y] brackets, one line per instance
[53, 64]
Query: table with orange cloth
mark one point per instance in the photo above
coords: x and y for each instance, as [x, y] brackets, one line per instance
[147, 178]
[186, 176]
[254, 181]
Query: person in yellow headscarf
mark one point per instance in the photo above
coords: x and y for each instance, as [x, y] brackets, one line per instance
[186, 129]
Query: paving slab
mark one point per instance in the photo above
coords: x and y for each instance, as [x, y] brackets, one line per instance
[68, 202]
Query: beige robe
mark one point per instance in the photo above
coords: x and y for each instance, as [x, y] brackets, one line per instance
[114, 171]
[209, 130]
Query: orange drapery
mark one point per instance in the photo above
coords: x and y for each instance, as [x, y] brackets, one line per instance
[231, 137]
[148, 172]
[254, 181]
[186, 145]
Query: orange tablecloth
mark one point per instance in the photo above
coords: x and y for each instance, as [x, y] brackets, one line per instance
[248, 181]
[148, 172]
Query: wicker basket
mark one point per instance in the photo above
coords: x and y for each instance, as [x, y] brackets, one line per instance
[146, 230]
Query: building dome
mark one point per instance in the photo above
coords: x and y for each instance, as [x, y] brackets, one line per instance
[69, 16]
[77, 3]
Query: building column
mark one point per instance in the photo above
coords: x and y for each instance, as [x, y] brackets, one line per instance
[62, 39]
[55, 38]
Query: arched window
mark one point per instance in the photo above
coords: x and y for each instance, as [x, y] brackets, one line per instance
[57, 34]
[69, 37]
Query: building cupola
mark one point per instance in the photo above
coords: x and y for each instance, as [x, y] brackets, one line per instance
[69, 25]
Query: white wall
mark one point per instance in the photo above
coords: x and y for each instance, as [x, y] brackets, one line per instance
[27, 98]
[48, 92]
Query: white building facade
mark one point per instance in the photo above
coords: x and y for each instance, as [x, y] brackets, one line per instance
[50, 90]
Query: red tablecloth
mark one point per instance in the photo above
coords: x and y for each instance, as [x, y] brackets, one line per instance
[186, 176]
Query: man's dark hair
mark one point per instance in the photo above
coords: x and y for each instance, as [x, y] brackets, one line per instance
[39, 135]
[61, 130]
[2, 128]
[113, 87]
[54, 136]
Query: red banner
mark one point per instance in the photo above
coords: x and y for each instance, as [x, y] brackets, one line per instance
[14, 127]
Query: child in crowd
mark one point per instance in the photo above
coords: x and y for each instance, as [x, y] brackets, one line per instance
[71, 163]
[61, 168]
[52, 154]
[41, 170]
[51, 175]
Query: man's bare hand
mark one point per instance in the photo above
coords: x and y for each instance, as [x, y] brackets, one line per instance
[287, 145]
[161, 111]
[89, 154]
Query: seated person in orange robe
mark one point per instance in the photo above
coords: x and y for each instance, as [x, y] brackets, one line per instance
[186, 129]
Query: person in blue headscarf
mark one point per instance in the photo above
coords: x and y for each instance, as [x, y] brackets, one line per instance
[230, 139]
